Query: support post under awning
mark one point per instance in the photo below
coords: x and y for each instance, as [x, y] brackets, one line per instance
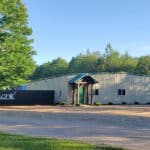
[77, 93]
[91, 94]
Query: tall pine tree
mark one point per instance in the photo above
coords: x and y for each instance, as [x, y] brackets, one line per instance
[16, 62]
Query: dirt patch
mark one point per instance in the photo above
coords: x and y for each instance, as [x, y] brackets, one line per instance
[126, 126]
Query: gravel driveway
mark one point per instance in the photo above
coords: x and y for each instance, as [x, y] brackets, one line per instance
[125, 126]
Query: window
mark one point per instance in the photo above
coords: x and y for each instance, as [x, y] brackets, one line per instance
[121, 92]
[59, 93]
[96, 92]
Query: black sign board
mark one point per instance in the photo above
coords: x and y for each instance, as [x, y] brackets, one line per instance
[26, 97]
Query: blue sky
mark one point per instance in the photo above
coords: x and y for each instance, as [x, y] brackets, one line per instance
[64, 28]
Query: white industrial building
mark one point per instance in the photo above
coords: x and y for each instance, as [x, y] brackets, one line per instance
[83, 88]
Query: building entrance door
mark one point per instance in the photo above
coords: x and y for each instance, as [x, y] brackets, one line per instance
[81, 95]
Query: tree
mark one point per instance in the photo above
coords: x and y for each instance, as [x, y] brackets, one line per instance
[128, 63]
[41, 71]
[84, 62]
[16, 62]
[101, 64]
[112, 59]
[143, 65]
[57, 67]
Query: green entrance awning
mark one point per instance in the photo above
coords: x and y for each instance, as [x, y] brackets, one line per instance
[83, 77]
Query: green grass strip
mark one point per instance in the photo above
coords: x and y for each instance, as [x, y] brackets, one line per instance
[20, 142]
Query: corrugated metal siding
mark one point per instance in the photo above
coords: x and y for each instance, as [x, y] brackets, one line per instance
[137, 88]
[59, 85]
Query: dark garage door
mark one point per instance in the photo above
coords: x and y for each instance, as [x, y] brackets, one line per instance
[35, 97]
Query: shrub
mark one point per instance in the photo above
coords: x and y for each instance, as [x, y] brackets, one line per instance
[63, 103]
[136, 103]
[110, 103]
[78, 104]
[124, 103]
[97, 103]
[148, 103]
[57, 103]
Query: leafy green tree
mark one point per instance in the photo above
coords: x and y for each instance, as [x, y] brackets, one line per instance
[57, 67]
[16, 62]
[42, 71]
[112, 59]
[128, 63]
[143, 65]
[101, 64]
[84, 62]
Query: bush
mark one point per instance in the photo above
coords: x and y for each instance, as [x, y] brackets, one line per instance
[148, 103]
[78, 104]
[124, 103]
[63, 103]
[97, 103]
[57, 103]
[110, 103]
[136, 103]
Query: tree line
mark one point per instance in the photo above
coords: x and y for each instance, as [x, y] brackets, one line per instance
[94, 62]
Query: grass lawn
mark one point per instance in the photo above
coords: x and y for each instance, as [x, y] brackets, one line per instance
[19, 142]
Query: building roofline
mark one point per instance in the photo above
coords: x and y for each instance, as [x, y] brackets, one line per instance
[89, 74]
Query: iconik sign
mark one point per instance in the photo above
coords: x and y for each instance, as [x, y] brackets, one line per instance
[8, 96]
[26, 97]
